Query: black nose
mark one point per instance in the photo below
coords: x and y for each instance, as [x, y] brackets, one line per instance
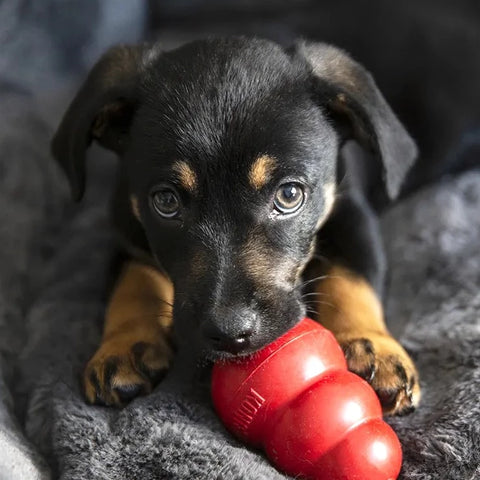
[226, 343]
[233, 335]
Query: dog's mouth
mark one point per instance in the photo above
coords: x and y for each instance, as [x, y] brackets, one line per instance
[211, 355]
[224, 356]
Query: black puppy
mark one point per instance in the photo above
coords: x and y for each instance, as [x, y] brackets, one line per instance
[239, 207]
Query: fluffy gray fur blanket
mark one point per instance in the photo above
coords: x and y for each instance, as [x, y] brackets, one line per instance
[54, 267]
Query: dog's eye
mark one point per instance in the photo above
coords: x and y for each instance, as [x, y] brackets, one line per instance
[289, 198]
[165, 202]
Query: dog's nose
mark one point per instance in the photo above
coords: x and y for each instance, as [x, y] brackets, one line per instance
[223, 342]
[233, 335]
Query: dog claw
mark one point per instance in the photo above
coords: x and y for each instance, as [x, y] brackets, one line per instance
[383, 363]
[115, 377]
[128, 392]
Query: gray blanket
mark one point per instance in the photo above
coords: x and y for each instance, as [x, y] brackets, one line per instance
[55, 262]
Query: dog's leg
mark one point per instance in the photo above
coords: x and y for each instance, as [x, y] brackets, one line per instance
[135, 349]
[351, 309]
[348, 304]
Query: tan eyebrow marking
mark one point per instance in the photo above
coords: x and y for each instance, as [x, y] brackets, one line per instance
[186, 175]
[261, 171]
[329, 195]
[135, 207]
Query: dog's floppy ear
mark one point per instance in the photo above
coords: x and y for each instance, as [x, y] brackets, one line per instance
[349, 92]
[102, 111]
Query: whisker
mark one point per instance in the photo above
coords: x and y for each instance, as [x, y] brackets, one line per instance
[319, 302]
[311, 311]
[322, 258]
[153, 315]
[310, 307]
[164, 301]
[311, 294]
[307, 282]
[322, 277]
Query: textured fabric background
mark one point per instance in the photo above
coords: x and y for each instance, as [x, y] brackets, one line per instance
[55, 263]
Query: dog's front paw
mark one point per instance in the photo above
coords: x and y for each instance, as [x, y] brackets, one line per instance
[382, 361]
[122, 369]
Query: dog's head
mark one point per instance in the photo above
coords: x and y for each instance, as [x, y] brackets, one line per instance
[230, 149]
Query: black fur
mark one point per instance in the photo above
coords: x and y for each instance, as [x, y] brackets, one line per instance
[218, 105]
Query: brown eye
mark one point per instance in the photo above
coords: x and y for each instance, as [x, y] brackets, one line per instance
[289, 198]
[165, 202]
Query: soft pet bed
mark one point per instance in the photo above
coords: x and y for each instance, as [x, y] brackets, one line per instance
[55, 262]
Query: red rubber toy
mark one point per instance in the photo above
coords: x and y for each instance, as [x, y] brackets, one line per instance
[296, 399]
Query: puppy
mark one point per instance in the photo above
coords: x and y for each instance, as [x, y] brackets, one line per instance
[240, 207]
